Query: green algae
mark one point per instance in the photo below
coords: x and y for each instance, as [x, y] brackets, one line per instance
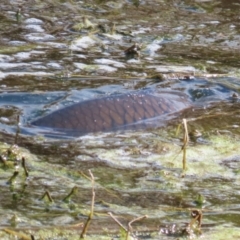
[223, 232]
[204, 164]
[16, 49]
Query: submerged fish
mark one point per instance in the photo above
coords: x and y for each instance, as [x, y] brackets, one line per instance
[118, 112]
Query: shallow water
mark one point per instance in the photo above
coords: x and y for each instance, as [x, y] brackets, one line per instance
[56, 53]
[199, 93]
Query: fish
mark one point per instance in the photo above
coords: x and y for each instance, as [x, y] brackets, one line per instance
[115, 112]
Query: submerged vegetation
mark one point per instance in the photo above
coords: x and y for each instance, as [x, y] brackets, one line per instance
[176, 182]
[30, 181]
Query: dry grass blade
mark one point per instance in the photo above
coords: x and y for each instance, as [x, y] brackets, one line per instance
[129, 230]
[85, 228]
[48, 195]
[17, 131]
[115, 220]
[130, 224]
[24, 166]
[185, 143]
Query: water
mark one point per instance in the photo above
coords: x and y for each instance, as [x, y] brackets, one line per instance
[51, 57]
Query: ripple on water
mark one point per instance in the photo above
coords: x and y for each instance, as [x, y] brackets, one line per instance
[54, 65]
[7, 66]
[5, 58]
[23, 55]
[83, 42]
[57, 45]
[39, 37]
[33, 21]
[166, 69]
[16, 43]
[93, 67]
[109, 62]
[34, 28]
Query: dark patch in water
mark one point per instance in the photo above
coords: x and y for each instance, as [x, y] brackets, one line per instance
[125, 111]
[134, 110]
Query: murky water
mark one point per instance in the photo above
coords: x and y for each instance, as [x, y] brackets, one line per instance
[56, 53]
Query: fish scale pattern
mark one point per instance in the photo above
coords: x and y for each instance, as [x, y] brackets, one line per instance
[110, 113]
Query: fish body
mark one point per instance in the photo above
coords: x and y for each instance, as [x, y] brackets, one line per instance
[117, 112]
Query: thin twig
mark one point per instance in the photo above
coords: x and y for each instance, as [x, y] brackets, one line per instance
[130, 224]
[68, 197]
[185, 142]
[13, 177]
[115, 220]
[48, 195]
[85, 228]
[135, 220]
[24, 167]
[18, 130]
[129, 230]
